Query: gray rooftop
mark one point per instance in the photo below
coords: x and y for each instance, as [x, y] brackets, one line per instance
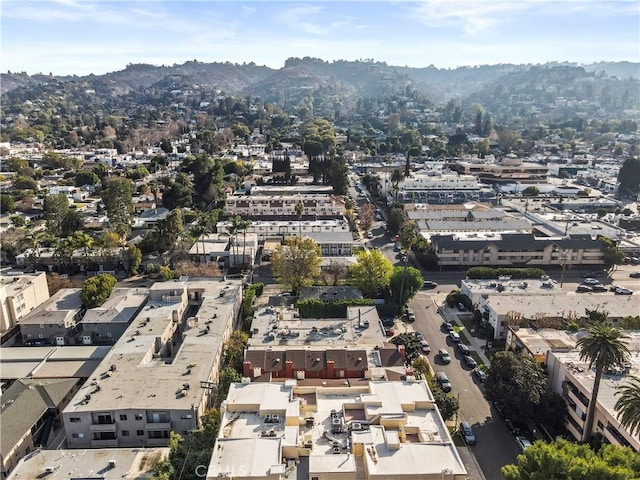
[63, 304]
[121, 306]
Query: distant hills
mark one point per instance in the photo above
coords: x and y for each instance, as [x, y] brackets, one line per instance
[340, 81]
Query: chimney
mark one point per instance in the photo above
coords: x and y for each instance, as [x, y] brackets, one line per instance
[288, 369]
[246, 369]
[401, 351]
[331, 369]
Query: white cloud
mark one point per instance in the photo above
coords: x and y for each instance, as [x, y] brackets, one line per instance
[297, 19]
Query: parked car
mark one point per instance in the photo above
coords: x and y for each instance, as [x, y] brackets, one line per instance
[523, 442]
[444, 356]
[584, 288]
[388, 322]
[389, 332]
[424, 346]
[444, 382]
[634, 274]
[599, 288]
[595, 273]
[470, 361]
[419, 335]
[461, 307]
[467, 433]
[623, 291]
[463, 349]
[512, 427]
[480, 374]
[428, 284]
[447, 327]
[411, 317]
[591, 281]
[454, 336]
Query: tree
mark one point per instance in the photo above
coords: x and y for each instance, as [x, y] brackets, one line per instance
[629, 177]
[447, 404]
[7, 203]
[421, 366]
[371, 273]
[412, 347]
[55, 209]
[20, 182]
[169, 229]
[604, 347]
[234, 349]
[404, 283]
[297, 263]
[516, 383]
[611, 254]
[96, 290]
[396, 178]
[135, 259]
[299, 213]
[531, 191]
[366, 216]
[117, 198]
[178, 193]
[85, 177]
[571, 461]
[84, 241]
[228, 375]
[628, 405]
[601, 212]
[508, 140]
[18, 221]
[396, 217]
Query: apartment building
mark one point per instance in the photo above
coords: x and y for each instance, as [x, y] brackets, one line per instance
[19, 295]
[103, 325]
[284, 205]
[55, 321]
[290, 228]
[370, 430]
[442, 189]
[28, 411]
[516, 250]
[572, 378]
[160, 375]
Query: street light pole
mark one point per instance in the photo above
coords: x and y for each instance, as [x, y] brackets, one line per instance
[564, 264]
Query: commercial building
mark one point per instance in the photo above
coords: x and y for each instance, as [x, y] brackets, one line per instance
[374, 430]
[28, 411]
[103, 464]
[160, 375]
[19, 295]
[572, 378]
[509, 170]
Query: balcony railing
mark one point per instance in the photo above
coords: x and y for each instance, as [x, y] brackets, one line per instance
[102, 427]
[157, 426]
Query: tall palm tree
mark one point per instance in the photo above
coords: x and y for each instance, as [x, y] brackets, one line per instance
[604, 347]
[628, 405]
[234, 228]
[196, 231]
[396, 178]
[299, 212]
[85, 241]
[244, 225]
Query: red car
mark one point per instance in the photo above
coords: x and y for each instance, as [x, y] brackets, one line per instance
[389, 332]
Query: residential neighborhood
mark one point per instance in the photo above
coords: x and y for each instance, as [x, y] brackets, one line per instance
[411, 289]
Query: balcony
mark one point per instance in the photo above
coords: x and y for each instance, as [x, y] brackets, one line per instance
[104, 443]
[157, 442]
[103, 427]
[157, 426]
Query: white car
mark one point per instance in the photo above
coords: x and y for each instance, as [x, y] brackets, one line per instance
[523, 443]
[369, 235]
[623, 291]
[591, 281]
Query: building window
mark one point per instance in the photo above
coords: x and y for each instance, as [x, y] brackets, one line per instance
[123, 418]
[105, 419]
[185, 417]
[74, 419]
[159, 434]
[140, 432]
[77, 435]
[137, 416]
[125, 433]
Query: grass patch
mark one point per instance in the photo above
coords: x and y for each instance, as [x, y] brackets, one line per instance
[455, 436]
[478, 360]
[469, 325]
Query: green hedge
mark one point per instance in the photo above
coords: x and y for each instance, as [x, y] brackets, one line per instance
[315, 308]
[494, 273]
[252, 291]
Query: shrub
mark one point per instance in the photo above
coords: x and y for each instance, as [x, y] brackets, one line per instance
[96, 290]
[315, 308]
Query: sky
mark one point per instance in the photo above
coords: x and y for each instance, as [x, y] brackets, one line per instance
[66, 37]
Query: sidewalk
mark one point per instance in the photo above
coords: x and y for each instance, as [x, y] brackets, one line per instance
[476, 344]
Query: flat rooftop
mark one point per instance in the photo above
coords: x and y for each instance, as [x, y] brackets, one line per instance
[121, 306]
[280, 326]
[513, 287]
[396, 425]
[61, 305]
[134, 463]
[14, 284]
[539, 341]
[50, 361]
[133, 375]
[533, 306]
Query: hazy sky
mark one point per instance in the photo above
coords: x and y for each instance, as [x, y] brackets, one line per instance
[96, 36]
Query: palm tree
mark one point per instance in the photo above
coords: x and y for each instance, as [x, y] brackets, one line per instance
[83, 240]
[299, 212]
[244, 225]
[234, 228]
[196, 231]
[628, 405]
[605, 348]
[396, 178]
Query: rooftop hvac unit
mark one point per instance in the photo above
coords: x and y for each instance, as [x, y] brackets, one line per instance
[112, 464]
[49, 469]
